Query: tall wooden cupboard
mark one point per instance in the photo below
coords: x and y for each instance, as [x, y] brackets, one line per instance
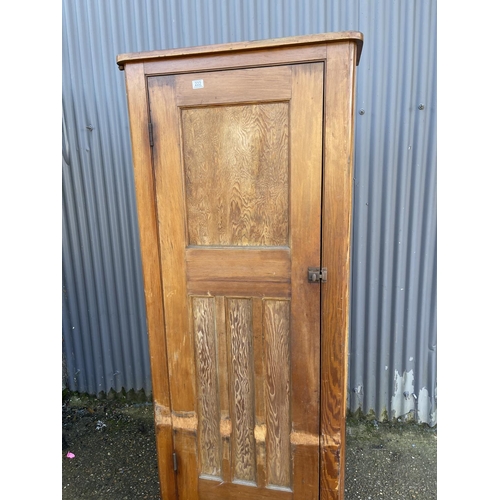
[243, 159]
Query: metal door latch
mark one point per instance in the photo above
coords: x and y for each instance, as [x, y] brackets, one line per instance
[316, 274]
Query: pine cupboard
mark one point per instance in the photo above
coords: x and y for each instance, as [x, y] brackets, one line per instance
[243, 160]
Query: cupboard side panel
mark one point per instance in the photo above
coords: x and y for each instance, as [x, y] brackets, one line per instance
[337, 185]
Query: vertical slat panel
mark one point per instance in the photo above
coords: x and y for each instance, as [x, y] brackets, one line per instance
[239, 324]
[208, 397]
[260, 383]
[223, 377]
[277, 356]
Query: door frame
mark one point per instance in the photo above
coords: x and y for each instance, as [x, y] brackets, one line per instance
[340, 54]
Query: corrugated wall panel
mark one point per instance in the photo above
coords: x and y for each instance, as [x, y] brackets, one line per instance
[393, 305]
[393, 323]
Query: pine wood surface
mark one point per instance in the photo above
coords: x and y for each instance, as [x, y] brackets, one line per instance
[354, 36]
[273, 56]
[247, 184]
[336, 225]
[145, 199]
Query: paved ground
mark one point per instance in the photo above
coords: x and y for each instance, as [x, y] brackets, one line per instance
[114, 451]
[390, 462]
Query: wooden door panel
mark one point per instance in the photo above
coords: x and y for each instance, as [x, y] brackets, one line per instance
[238, 189]
[276, 326]
[211, 490]
[239, 154]
[240, 288]
[250, 265]
[257, 380]
[226, 87]
[239, 327]
[205, 336]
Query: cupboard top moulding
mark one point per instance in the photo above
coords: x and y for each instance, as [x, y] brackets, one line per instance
[225, 49]
[243, 176]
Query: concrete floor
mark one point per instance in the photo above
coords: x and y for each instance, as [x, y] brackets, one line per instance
[115, 455]
[390, 462]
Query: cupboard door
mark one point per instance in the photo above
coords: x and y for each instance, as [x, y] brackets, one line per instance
[238, 165]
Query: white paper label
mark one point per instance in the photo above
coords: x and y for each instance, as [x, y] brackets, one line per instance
[198, 84]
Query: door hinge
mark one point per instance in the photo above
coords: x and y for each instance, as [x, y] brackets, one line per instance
[174, 461]
[316, 274]
[150, 128]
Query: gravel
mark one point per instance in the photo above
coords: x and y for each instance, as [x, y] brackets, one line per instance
[114, 447]
[390, 461]
[113, 443]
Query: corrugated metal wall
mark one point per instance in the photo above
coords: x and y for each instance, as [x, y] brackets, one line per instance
[393, 310]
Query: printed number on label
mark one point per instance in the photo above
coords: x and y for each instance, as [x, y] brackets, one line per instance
[197, 84]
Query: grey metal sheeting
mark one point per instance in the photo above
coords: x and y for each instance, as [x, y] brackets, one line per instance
[392, 368]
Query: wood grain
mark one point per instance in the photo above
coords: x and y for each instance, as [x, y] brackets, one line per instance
[171, 229]
[213, 490]
[231, 60]
[306, 164]
[236, 174]
[149, 240]
[239, 168]
[306, 472]
[226, 87]
[239, 288]
[238, 264]
[307, 159]
[187, 463]
[355, 36]
[277, 355]
[336, 228]
[239, 324]
[169, 196]
[208, 397]
[259, 389]
[223, 377]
